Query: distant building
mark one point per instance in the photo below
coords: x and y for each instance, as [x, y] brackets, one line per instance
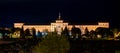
[59, 25]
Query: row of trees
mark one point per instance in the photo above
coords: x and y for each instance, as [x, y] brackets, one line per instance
[103, 32]
[27, 33]
[23, 34]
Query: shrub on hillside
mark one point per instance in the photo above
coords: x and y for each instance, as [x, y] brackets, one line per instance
[53, 43]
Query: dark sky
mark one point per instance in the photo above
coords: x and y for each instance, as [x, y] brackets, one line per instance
[46, 11]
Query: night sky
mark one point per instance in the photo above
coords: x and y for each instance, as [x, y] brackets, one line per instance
[46, 11]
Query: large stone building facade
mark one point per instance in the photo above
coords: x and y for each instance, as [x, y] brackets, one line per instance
[59, 25]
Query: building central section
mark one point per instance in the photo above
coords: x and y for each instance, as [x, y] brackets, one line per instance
[58, 26]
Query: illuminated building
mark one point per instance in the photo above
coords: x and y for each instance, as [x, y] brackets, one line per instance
[59, 25]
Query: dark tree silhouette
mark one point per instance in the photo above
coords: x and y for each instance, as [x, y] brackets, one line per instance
[76, 31]
[86, 32]
[65, 32]
[105, 32]
[27, 32]
[34, 33]
[15, 29]
[22, 33]
[92, 34]
[39, 34]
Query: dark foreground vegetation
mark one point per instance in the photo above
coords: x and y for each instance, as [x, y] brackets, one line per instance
[94, 46]
[18, 46]
[61, 43]
[76, 46]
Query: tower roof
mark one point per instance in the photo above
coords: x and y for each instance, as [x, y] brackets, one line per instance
[59, 18]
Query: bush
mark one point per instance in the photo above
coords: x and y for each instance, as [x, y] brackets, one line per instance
[53, 43]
